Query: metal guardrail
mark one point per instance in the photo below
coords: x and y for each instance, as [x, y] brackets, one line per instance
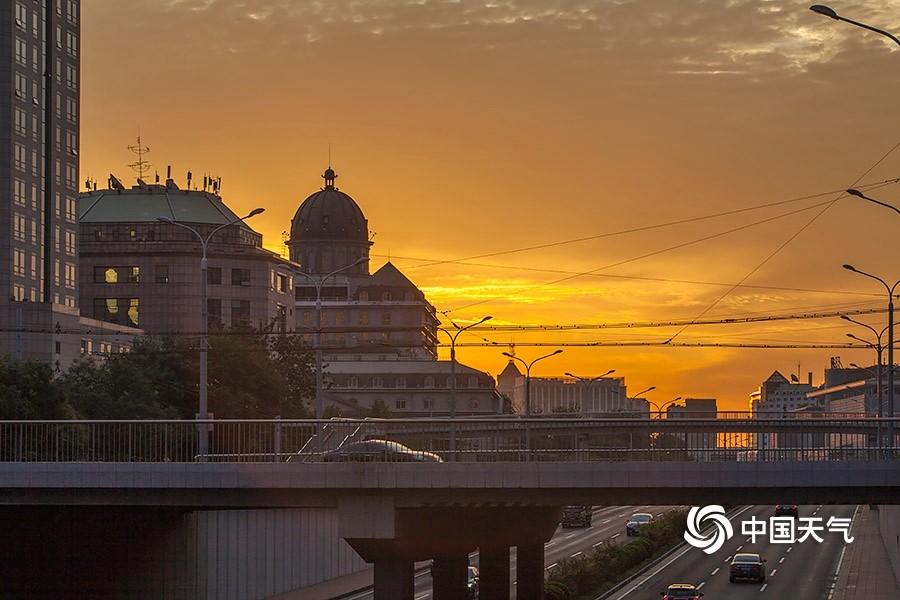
[483, 439]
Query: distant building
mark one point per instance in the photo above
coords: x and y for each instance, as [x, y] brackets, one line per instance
[605, 396]
[138, 271]
[378, 331]
[699, 446]
[409, 388]
[379, 316]
[39, 316]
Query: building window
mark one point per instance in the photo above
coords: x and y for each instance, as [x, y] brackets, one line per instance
[377, 382]
[19, 262]
[214, 275]
[385, 318]
[473, 382]
[364, 296]
[428, 403]
[401, 382]
[282, 284]
[117, 274]
[400, 403]
[240, 276]
[429, 382]
[122, 311]
[240, 311]
[363, 318]
[213, 311]
[353, 382]
[161, 273]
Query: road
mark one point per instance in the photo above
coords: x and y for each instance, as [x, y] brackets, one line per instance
[608, 523]
[799, 571]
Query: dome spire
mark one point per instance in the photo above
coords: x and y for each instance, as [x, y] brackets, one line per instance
[329, 177]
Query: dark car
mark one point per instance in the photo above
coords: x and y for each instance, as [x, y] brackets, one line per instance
[681, 591]
[749, 566]
[785, 510]
[576, 516]
[378, 451]
[636, 521]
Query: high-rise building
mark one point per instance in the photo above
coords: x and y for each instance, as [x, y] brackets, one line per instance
[39, 137]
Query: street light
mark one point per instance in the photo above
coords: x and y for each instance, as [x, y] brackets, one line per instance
[453, 337]
[528, 394]
[859, 194]
[890, 345]
[587, 381]
[879, 349]
[203, 411]
[830, 13]
[659, 409]
[320, 392]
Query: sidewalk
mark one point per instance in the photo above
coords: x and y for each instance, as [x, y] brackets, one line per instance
[866, 572]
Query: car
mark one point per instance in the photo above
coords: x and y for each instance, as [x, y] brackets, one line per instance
[576, 516]
[472, 578]
[785, 510]
[749, 566]
[636, 521]
[374, 450]
[681, 591]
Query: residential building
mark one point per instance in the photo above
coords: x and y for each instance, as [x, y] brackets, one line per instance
[39, 309]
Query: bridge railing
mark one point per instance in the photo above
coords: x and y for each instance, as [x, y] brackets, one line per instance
[483, 439]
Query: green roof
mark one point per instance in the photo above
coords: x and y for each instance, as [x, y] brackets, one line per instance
[145, 204]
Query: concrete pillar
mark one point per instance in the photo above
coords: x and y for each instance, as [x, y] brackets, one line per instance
[448, 577]
[394, 580]
[530, 571]
[493, 567]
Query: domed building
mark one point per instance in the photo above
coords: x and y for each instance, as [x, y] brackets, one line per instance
[378, 331]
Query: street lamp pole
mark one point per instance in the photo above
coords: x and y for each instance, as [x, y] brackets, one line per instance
[890, 329]
[830, 12]
[659, 409]
[859, 194]
[587, 381]
[320, 392]
[453, 337]
[879, 349]
[202, 409]
[528, 395]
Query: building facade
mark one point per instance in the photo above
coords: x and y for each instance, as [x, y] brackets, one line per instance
[140, 262]
[604, 396]
[39, 94]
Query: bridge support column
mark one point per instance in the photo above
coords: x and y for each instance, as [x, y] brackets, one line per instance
[394, 580]
[493, 568]
[530, 571]
[449, 574]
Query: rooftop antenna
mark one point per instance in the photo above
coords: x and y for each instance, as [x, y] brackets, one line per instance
[140, 165]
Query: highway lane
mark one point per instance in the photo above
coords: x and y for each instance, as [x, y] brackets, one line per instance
[802, 570]
[608, 523]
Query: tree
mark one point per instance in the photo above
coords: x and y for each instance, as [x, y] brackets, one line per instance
[28, 390]
[146, 383]
[380, 410]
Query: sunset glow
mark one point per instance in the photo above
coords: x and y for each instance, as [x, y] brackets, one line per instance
[676, 166]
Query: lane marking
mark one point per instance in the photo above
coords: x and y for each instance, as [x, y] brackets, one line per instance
[716, 570]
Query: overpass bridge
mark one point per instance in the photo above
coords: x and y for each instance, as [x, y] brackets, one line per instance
[492, 494]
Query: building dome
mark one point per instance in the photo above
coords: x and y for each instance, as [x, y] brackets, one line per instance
[329, 215]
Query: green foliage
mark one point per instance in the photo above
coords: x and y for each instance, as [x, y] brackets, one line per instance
[556, 590]
[146, 383]
[28, 390]
[380, 410]
[586, 576]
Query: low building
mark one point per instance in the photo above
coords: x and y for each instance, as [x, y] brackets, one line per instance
[140, 271]
[409, 388]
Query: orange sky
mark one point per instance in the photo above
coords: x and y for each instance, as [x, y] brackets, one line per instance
[546, 162]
